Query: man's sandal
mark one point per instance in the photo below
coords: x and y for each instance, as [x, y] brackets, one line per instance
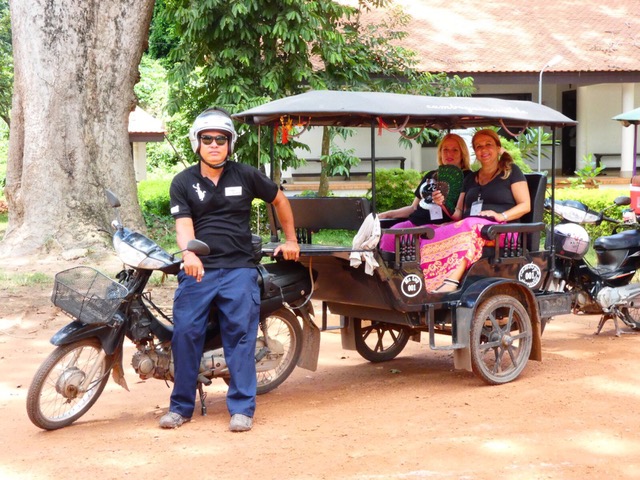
[448, 285]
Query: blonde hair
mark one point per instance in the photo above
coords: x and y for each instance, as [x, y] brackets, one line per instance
[466, 161]
[504, 160]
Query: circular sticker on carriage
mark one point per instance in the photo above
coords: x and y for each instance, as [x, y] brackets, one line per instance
[530, 275]
[411, 285]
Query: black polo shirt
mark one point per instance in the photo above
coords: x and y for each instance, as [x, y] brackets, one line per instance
[221, 213]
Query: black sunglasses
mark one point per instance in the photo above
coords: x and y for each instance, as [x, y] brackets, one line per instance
[220, 139]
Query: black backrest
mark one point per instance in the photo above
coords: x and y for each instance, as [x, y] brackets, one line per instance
[311, 214]
[537, 183]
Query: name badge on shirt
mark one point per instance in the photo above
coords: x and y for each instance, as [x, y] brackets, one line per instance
[476, 207]
[435, 211]
[232, 191]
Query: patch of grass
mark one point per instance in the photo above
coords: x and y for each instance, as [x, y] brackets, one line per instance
[334, 237]
[12, 280]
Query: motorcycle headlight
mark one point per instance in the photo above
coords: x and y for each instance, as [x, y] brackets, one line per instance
[138, 251]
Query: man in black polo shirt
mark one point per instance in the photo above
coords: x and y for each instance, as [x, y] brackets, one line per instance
[211, 201]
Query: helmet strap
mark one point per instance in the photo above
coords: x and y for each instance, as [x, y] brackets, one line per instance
[211, 165]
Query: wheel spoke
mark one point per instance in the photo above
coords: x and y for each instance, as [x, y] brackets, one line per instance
[510, 320]
[380, 344]
[521, 335]
[488, 345]
[514, 359]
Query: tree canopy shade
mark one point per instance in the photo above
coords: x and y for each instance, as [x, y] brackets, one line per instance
[244, 53]
[75, 65]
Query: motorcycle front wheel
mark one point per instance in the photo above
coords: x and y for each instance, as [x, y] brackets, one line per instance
[283, 328]
[61, 391]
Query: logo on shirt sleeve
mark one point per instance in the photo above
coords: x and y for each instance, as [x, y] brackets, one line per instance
[175, 209]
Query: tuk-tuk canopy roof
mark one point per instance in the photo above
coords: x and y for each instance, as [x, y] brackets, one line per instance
[632, 117]
[395, 110]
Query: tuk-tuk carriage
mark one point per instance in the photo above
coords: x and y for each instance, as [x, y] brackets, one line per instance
[496, 318]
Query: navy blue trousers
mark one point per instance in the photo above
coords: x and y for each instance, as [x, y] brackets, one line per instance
[236, 293]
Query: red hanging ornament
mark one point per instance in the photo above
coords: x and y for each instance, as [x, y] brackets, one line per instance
[381, 125]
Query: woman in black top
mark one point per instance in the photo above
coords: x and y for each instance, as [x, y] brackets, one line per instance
[496, 193]
[452, 150]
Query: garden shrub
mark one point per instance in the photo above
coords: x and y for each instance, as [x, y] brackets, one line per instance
[395, 187]
[153, 196]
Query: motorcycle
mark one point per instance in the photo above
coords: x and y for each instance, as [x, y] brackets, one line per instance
[104, 312]
[607, 287]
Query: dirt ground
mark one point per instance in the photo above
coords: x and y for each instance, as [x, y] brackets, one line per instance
[575, 415]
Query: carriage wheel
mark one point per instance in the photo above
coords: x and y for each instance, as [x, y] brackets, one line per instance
[501, 339]
[378, 341]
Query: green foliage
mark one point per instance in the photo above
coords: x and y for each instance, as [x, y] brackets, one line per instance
[153, 196]
[527, 144]
[340, 160]
[152, 91]
[587, 174]
[395, 187]
[244, 53]
[511, 146]
[162, 36]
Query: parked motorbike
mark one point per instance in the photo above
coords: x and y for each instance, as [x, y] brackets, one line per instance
[74, 375]
[607, 287]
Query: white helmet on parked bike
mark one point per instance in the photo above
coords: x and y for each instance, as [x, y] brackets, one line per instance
[214, 118]
[571, 241]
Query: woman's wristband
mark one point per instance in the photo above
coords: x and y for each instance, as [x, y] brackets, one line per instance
[504, 215]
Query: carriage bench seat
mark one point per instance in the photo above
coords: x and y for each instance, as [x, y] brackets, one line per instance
[312, 214]
[512, 240]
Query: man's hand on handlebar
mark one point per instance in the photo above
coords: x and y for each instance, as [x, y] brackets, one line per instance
[192, 265]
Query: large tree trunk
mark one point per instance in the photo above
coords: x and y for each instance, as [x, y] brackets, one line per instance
[75, 65]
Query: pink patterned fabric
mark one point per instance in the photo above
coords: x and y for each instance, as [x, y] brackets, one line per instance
[452, 242]
[387, 242]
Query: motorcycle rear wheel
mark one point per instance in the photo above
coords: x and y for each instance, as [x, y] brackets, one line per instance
[54, 399]
[284, 327]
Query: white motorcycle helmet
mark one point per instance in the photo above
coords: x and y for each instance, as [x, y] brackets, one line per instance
[214, 118]
[571, 241]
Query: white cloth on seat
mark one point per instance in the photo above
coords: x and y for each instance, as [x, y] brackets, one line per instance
[367, 238]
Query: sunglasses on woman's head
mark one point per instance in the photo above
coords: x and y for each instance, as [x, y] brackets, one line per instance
[220, 139]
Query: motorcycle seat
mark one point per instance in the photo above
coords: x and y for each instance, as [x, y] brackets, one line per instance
[620, 241]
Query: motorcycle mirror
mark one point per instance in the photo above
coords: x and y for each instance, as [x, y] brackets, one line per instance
[198, 247]
[623, 200]
[112, 199]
